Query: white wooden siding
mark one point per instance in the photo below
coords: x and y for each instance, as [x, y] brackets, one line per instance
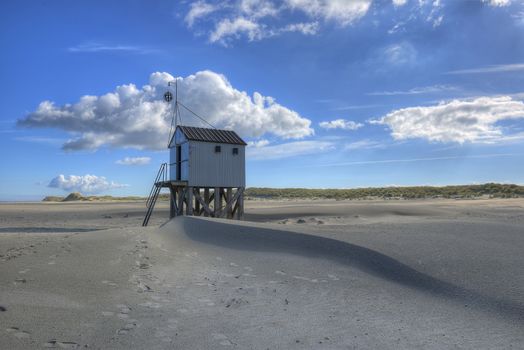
[210, 169]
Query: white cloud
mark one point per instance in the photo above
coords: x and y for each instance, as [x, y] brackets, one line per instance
[290, 149]
[259, 19]
[94, 47]
[455, 121]
[134, 161]
[198, 10]
[501, 68]
[84, 184]
[258, 143]
[342, 12]
[399, 2]
[340, 124]
[363, 144]
[139, 118]
[416, 91]
[400, 54]
[227, 28]
[309, 28]
[497, 3]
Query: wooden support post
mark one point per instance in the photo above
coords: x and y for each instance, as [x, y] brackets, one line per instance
[218, 203]
[229, 212]
[189, 203]
[197, 203]
[181, 196]
[240, 202]
[206, 199]
[172, 203]
[205, 207]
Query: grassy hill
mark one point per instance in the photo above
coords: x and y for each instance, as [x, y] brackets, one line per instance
[491, 190]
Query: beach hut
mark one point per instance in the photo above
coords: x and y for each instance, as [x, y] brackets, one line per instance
[205, 175]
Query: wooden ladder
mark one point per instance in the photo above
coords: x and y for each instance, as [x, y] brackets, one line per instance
[155, 191]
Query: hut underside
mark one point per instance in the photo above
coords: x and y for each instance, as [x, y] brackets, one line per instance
[217, 202]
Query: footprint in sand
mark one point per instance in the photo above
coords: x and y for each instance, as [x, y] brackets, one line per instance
[333, 277]
[208, 302]
[18, 333]
[172, 323]
[151, 305]
[109, 283]
[67, 345]
[222, 339]
[22, 335]
[123, 308]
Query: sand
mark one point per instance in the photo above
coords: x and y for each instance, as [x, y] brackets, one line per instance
[433, 274]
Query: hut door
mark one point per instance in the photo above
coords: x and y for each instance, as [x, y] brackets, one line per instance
[178, 163]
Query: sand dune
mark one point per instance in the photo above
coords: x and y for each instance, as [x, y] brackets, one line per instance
[374, 275]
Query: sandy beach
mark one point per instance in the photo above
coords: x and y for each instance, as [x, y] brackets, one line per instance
[432, 274]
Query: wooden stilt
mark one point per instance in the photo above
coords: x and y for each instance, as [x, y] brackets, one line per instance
[197, 203]
[189, 201]
[206, 200]
[229, 211]
[240, 202]
[218, 202]
[172, 202]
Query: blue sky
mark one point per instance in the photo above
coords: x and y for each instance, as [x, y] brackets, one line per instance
[329, 93]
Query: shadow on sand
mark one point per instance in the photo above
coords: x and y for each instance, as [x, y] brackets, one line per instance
[246, 238]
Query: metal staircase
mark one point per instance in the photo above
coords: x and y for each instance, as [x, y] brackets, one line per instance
[161, 177]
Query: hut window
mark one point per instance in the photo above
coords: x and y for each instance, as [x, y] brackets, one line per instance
[218, 149]
[235, 150]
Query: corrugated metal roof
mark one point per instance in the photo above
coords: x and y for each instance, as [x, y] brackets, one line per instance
[211, 135]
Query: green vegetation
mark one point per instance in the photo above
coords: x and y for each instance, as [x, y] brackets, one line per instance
[490, 190]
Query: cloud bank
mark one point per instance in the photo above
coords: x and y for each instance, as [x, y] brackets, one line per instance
[139, 118]
[91, 184]
[258, 19]
[455, 121]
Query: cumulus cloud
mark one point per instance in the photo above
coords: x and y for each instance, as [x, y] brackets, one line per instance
[84, 184]
[455, 121]
[134, 161]
[139, 118]
[289, 149]
[340, 124]
[259, 19]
